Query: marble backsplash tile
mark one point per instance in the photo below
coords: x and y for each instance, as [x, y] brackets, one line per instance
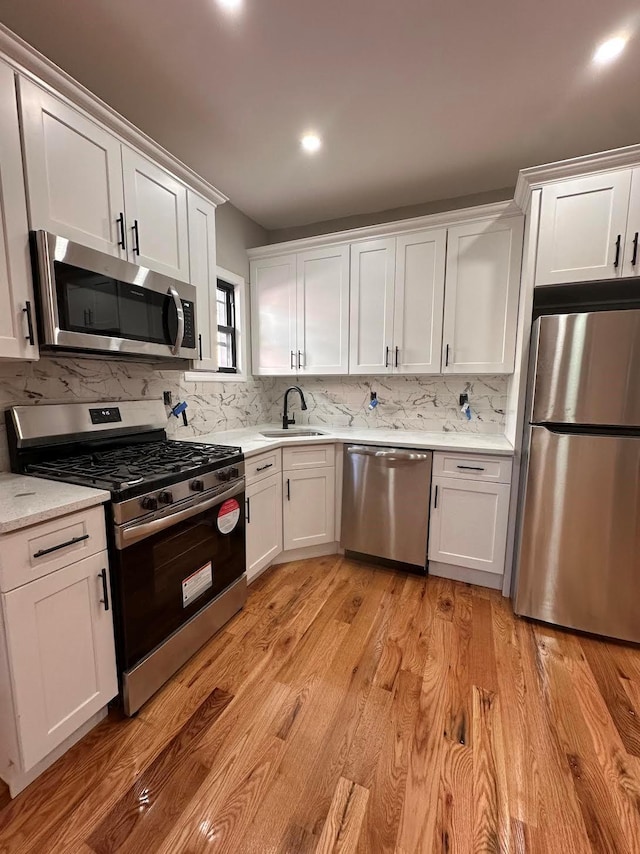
[411, 403]
[405, 402]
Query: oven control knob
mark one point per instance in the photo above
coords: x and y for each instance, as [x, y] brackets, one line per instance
[223, 475]
[165, 498]
[149, 503]
[233, 474]
[197, 485]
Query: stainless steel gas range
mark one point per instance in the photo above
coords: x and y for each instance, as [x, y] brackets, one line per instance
[176, 525]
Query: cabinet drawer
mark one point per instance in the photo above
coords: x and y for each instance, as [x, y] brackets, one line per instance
[308, 457]
[36, 551]
[264, 465]
[472, 467]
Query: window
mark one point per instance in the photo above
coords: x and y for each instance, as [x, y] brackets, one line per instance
[227, 331]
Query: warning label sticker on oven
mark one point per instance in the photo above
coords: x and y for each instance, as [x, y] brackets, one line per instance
[196, 583]
[228, 516]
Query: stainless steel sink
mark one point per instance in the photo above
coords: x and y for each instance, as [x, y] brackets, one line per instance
[291, 433]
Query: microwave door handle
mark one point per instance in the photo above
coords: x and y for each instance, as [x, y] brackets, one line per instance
[175, 349]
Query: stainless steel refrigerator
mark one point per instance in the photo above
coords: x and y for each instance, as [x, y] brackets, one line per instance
[579, 545]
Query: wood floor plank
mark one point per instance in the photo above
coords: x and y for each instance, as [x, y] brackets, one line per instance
[342, 827]
[354, 708]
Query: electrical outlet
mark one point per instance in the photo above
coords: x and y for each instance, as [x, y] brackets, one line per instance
[167, 398]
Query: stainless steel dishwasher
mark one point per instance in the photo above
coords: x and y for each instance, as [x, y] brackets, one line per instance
[385, 503]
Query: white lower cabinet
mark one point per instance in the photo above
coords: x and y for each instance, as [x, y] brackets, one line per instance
[57, 658]
[309, 507]
[264, 523]
[468, 526]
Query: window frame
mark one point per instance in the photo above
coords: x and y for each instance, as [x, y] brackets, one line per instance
[242, 335]
[231, 328]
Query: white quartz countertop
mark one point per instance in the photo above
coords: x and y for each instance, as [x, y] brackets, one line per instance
[26, 501]
[252, 442]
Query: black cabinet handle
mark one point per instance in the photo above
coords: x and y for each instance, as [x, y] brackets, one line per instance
[446, 358]
[386, 357]
[29, 336]
[397, 354]
[200, 346]
[299, 359]
[248, 500]
[435, 499]
[634, 259]
[471, 468]
[616, 263]
[71, 542]
[105, 589]
[123, 238]
[136, 234]
[264, 468]
[288, 490]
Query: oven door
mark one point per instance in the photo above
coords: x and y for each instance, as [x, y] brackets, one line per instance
[171, 567]
[91, 301]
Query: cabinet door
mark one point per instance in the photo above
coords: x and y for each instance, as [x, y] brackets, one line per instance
[273, 315]
[202, 263]
[372, 286]
[468, 525]
[419, 297]
[156, 206]
[309, 503]
[61, 654]
[582, 228]
[632, 248]
[323, 311]
[16, 287]
[264, 523]
[481, 296]
[74, 172]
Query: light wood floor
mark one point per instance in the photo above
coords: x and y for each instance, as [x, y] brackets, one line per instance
[349, 708]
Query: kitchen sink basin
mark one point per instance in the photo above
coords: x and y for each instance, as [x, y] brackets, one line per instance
[291, 433]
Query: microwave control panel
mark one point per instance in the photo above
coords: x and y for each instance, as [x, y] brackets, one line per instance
[189, 339]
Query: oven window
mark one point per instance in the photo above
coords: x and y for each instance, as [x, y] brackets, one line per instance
[149, 579]
[94, 304]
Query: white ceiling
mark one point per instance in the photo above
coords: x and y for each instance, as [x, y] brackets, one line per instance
[415, 99]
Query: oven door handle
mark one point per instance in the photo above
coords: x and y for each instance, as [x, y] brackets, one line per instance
[180, 333]
[127, 535]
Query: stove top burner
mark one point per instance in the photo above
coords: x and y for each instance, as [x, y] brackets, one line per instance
[121, 468]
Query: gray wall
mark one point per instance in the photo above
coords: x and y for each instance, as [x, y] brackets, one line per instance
[362, 220]
[235, 233]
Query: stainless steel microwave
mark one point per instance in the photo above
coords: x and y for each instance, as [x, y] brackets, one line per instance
[90, 302]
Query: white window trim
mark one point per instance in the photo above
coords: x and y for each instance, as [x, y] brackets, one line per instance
[242, 335]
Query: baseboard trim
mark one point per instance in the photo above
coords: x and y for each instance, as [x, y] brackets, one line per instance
[17, 782]
[311, 551]
[463, 573]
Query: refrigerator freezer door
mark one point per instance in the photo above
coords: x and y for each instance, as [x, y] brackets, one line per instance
[588, 369]
[579, 562]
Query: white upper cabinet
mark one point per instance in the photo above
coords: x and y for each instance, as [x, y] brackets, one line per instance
[17, 319]
[419, 297]
[482, 291]
[632, 247]
[372, 295]
[273, 315]
[322, 340]
[74, 172]
[583, 223]
[202, 259]
[156, 206]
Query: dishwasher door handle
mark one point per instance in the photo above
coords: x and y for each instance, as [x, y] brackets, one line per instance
[391, 454]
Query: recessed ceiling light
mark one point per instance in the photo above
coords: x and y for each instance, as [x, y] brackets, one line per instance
[311, 142]
[609, 50]
[230, 5]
